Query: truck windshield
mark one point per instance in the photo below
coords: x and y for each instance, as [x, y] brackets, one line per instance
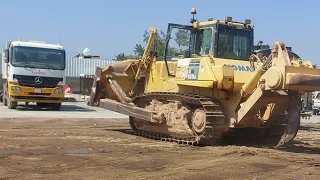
[233, 43]
[38, 58]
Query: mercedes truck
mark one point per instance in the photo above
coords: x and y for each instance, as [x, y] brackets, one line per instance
[34, 71]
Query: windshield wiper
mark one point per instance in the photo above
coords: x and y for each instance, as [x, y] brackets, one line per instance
[29, 65]
[51, 66]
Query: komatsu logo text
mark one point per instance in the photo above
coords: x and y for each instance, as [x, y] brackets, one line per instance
[240, 67]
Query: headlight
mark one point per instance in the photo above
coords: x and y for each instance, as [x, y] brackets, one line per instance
[58, 91]
[15, 89]
[61, 83]
[14, 81]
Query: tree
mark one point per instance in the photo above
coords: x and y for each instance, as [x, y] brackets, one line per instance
[160, 41]
[139, 50]
[122, 57]
[182, 37]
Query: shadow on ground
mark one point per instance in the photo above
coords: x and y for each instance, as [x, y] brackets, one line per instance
[74, 108]
[293, 146]
[298, 147]
[124, 130]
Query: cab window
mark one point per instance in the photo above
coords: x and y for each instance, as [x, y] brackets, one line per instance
[233, 43]
[204, 42]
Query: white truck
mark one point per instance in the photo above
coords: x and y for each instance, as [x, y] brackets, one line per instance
[34, 72]
[316, 103]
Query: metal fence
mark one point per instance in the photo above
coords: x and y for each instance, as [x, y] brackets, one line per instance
[76, 67]
[85, 83]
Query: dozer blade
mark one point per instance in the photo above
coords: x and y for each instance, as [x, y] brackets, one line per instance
[294, 113]
[121, 72]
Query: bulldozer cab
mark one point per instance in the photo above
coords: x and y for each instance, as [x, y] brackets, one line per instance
[227, 40]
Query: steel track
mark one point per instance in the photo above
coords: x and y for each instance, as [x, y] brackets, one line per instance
[216, 121]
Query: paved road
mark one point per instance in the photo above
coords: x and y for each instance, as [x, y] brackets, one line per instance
[313, 119]
[75, 110]
[68, 110]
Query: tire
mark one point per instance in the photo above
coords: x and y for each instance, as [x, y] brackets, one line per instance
[4, 100]
[56, 106]
[12, 105]
[315, 112]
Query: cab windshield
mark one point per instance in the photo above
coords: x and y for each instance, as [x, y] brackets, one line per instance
[43, 58]
[233, 43]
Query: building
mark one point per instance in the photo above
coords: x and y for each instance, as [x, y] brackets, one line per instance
[81, 56]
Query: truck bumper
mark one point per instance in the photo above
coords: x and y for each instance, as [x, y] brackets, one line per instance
[316, 108]
[36, 99]
[32, 94]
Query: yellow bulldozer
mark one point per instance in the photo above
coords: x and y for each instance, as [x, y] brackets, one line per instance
[211, 89]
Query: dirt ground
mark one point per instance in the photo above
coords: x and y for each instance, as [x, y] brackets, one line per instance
[105, 149]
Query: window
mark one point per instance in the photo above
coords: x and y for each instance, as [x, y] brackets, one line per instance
[38, 58]
[179, 43]
[203, 42]
[233, 43]
[206, 42]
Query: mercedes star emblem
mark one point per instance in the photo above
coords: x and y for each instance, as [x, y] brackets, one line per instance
[38, 80]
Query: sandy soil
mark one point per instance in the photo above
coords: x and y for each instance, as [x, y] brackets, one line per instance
[105, 149]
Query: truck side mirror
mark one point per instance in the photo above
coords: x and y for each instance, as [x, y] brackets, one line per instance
[5, 55]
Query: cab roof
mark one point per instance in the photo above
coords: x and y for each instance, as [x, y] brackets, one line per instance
[212, 22]
[37, 44]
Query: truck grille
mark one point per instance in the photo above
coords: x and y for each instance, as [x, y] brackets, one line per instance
[36, 81]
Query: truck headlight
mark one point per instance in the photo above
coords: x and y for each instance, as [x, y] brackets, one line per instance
[61, 83]
[58, 91]
[15, 89]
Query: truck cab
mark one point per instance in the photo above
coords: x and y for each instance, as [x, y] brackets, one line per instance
[34, 72]
[316, 103]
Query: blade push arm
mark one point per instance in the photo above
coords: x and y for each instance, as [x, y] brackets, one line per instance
[143, 65]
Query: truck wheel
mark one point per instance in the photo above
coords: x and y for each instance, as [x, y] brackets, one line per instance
[4, 100]
[12, 105]
[56, 106]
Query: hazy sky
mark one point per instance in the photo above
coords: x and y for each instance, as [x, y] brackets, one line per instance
[111, 27]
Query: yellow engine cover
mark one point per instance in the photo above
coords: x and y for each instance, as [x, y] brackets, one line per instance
[205, 76]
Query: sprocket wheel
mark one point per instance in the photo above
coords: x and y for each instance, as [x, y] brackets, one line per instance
[198, 121]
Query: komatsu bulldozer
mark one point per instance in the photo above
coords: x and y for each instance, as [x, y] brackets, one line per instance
[208, 86]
